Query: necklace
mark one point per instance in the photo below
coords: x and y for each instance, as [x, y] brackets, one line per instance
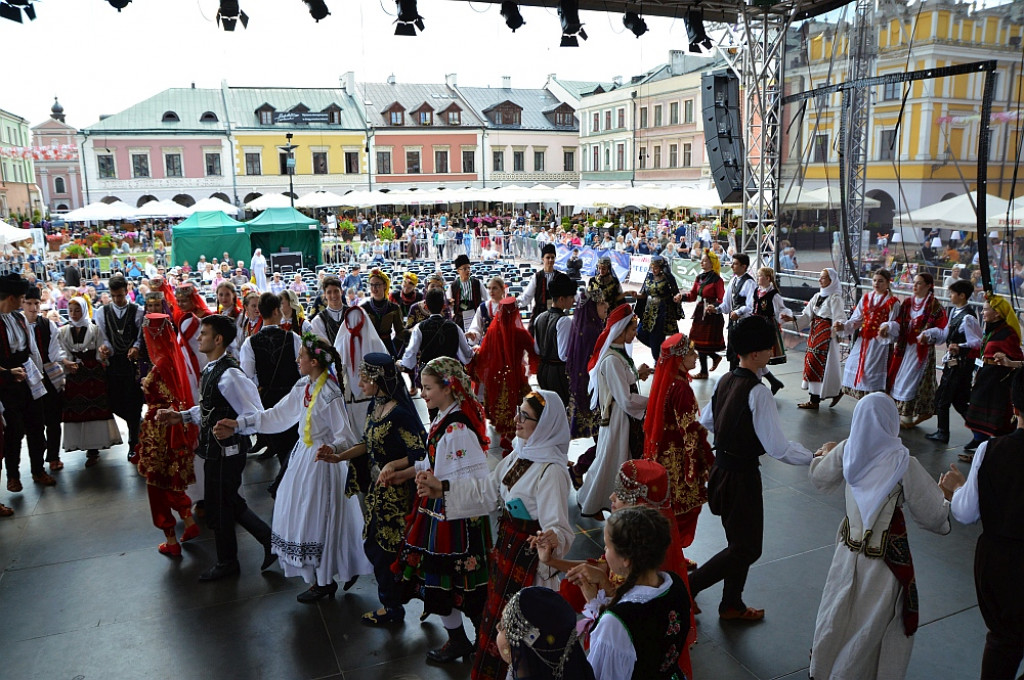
[378, 308]
[914, 306]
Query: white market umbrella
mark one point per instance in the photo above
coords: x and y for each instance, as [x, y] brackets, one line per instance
[954, 213]
[825, 198]
[269, 201]
[212, 204]
[100, 211]
[1000, 221]
[10, 234]
[162, 209]
[321, 199]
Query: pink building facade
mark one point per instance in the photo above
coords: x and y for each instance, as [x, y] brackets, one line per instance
[59, 181]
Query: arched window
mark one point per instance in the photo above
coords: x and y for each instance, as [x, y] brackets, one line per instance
[58, 186]
[170, 117]
[208, 117]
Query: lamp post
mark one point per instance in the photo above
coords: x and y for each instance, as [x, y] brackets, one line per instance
[290, 165]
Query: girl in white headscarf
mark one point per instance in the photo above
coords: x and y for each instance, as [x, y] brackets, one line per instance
[822, 367]
[868, 612]
[259, 270]
[88, 421]
[530, 488]
[356, 338]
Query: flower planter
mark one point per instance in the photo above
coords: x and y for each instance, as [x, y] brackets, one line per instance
[104, 252]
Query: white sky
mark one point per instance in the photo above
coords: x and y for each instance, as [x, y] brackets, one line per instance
[98, 61]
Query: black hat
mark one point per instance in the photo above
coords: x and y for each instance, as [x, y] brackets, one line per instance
[547, 249]
[461, 261]
[561, 285]
[751, 334]
[33, 293]
[13, 284]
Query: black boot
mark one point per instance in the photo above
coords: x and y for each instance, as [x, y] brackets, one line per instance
[458, 645]
[941, 436]
[773, 382]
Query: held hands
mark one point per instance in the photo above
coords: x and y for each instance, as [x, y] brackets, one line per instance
[471, 336]
[678, 297]
[104, 352]
[327, 454]
[883, 331]
[544, 543]
[225, 428]
[70, 366]
[825, 448]
[18, 374]
[427, 485]
[133, 354]
[950, 481]
[733, 315]
[590, 578]
[168, 416]
[644, 371]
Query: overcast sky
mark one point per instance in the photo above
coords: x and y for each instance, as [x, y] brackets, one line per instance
[99, 61]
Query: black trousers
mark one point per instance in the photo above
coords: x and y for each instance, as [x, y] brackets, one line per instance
[225, 507]
[24, 416]
[125, 396]
[52, 405]
[735, 495]
[1001, 601]
[553, 376]
[387, 584]
[281, 444]
[954, 390]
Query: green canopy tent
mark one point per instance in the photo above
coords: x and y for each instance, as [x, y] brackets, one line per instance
[209, 233]
[278, 230]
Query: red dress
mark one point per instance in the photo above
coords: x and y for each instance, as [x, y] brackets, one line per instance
[706, 332]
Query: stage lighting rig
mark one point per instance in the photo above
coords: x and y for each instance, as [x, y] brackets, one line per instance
[635, 23]
[119, 4]
[409, 18]
[12, 9]
[230, 14]
[317, 9]
[694, 21]
[569, 13]
[513, 19]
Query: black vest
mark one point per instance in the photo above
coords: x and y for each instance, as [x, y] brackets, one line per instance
[9, 358]
[956, 334]
[545, 330]
[440, 339]
[43, 332]
[1001, 488]
[213, 406]
[274, 351]
[658, 629]
[330, 325]
[461, 305]
[738, 299]
[122, 333]
[541, 294]
[737, 446]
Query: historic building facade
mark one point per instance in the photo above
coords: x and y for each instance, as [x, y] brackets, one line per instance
[18, 192]
[58, 174]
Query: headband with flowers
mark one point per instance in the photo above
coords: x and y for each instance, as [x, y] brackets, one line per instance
[315, 350]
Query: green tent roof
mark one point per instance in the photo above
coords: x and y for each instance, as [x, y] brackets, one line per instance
[277, 219]
[209, 233]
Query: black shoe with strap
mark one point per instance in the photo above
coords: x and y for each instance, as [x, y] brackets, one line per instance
[317, 593]
[220, 570]
[458, 645]
[940, 436]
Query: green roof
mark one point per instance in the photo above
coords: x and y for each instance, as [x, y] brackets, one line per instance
[148, 115]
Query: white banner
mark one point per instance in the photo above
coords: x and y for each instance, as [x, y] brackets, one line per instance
[638, 266]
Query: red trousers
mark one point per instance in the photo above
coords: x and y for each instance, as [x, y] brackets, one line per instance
[163, 501]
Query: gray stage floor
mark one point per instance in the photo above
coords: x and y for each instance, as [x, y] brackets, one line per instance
[85, 595]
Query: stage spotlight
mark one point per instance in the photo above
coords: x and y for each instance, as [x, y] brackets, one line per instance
[317, 9]
[230, 14]
[569, 13]
[694, 22]
[409, 18]
[119, 4]
[635, 23]
[513, 19]
[12, 9]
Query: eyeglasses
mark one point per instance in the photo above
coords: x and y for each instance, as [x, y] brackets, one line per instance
[376, 285]
[521, 414]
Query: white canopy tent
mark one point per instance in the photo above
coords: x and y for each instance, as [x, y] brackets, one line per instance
[10, 234]
[269, 201]
[212, 204]
[100, 211]
[1014, 221]
[162, 210]
[320, 199]
[957, 213]
[825, 198]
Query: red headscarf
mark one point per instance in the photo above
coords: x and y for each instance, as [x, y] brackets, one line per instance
[199, 307]
[161, 342]
[620, 313]
[673, 350]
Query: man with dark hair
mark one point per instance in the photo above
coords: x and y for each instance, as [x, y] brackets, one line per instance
[120, 324]
[352, 279]
[268, 358]
[224, 393]
[741, 288]
[963, 342]
[50, 356]
[327, 322]
[435, 337]
[72, 274]
[551, 330]
[466, 293]
[538, 293]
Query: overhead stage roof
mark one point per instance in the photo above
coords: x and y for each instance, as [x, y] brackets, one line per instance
[714, 10]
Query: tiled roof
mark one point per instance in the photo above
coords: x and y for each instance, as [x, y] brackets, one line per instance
[378, 97]
[534, 102]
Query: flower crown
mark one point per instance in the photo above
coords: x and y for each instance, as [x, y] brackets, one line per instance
[315, 351]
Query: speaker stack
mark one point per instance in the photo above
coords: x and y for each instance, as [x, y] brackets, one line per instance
[723, 134]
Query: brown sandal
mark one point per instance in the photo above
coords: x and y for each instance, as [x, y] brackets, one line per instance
[808, 405]
[14, 485]
[56, 465]
[700, 376]
[748, 614]
[5, 511]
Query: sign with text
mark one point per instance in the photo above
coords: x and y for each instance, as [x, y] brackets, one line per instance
[301, 118]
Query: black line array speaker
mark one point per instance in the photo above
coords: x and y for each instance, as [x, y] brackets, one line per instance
[723, 133]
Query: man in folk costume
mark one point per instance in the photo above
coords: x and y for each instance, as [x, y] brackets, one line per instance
[120, 324]
[269, 358]
[466, 293]
[22, 411]
[224, 393]
[992, 494]
[538, 293]
[613, 384]
[822, 375]
[407, 296]
[963, 340]
[51, 358]
[740, 289]
[435, 337]
[551, 331]
[743, 417]
[327, 322]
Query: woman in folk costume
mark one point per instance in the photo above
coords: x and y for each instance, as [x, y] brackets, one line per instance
[258, 265]
[867, 365]
[487, 311]
[869, 608]
[502, 367]
[613, 383]
[249, 321]
[531, 489]
[921, 323]
[444, 561]
[538, 638]
[228, 303]
[406, 298]
[418, 312]
[293, 318]
[88, 421]
[706, 330]
[189, 309]
[587, 323]
[166, 452]
[822, 365]
[766, 301]
[674, 437]
[385, 315]
[657, 305]
[990, 411]
[316, 528]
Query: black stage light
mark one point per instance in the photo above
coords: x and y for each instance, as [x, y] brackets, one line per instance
[569, 13]
[694, 22]
[513, 19]
[230, 14]
[317, 9]
[635, 23]
[12, 9]
[119, 4]
[409, 18]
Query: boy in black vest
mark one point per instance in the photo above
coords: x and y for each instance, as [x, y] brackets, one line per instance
[466, 293]
[741, 288]
[268, 358]
[538, 292]
[224, 392]
[50, 353]
[963, 342]
[435, 337]
[551, 330]
[745, 422]
[120, 324]
[327, 321]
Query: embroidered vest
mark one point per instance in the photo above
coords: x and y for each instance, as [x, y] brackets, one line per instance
[658, 630]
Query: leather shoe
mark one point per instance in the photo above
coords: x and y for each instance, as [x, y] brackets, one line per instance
[14, 485]
[44, 479]
[317, 592]
[938, 436]
[220, 570]
[835, 400]
[268, 557]
[972, 445]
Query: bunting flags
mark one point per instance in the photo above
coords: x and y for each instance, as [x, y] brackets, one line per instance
[57, 152]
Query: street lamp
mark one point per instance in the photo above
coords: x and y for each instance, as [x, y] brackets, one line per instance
[290, 165]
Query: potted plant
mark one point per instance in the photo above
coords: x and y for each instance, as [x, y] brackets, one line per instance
[347, 229]
[76, 251]
[386, 234]
[104, 245]
[55, 241]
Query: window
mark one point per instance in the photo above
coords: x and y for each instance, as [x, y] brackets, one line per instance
[351, 162]
[643, 157]
[208, 117]
[643, 117]
[441, 162]
[383, 162]
[607, 158]
[673, 155]
[105, 166]
[887, 146]
[596, 127]
[468, 161]
[397, 118]
[820, 148]
[140, 165]
[620, 156]
[213, 165]
[621, 115]
[657, 157]
[564, 118]
[538, 161]
[334, 117]
[498, 118]
[498, 163]
[170, 117]
[607, 120]
[426, 117]
[58, 186]
[252, 164]
[568, 161]
[891, 91]
[688, 111]
[673, 113]
[172, 165]
[412, 162]
[596, 164]
[687, 155]
[657, 116]
[266, 117]
[518, 161]
[319, 162]
[282, 159]
[455, 117]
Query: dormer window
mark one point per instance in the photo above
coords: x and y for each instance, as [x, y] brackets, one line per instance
[455, 117]
[505, 113]
[333, 114]
[394, 114]
[265, 114]
[170, 117]
[397, 118]
[208, 117]
[426, 118]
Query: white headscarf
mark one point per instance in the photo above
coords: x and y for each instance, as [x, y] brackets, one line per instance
[84, 306]
[549, 442]
[614, 332]
[370, 342]
[833, 287]
[874, 457]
